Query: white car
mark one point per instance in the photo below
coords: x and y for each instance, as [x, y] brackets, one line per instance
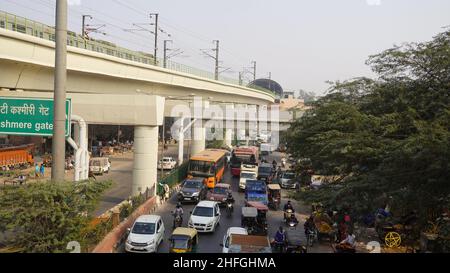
[145, 235]
[243, 179]
[205, 217]
[167, 163]
[226, 239]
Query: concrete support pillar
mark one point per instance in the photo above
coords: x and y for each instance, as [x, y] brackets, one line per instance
[228, 136]
[76, 133]
[199, 138]
[145, 159]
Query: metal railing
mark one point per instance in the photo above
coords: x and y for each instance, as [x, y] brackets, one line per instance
[175, 177]
[20, 24]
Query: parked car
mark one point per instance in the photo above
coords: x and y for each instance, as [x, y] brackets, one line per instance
[167, 163]
[192, 190]
[226, 239]
[205, 217]
[288, 180]
[99, 165]
[145, 235]
[219, 193]
[243, 179]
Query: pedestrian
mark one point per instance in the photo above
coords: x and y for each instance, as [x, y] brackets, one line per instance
[36, 170]
[42, 170]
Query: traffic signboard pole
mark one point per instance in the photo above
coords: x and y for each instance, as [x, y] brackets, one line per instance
[59, 141]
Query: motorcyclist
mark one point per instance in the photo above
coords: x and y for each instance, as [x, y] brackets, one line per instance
[309, 225]
[178, 211]
[274, 164]
[280, 238]
[230, 200]
[288, 206]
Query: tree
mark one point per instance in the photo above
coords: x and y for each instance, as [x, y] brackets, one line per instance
[387, 137]
[44, 217]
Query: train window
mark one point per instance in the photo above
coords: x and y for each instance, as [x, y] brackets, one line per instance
[2, 24]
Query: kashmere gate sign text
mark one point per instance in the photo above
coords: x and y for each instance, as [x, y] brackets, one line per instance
[24, 116]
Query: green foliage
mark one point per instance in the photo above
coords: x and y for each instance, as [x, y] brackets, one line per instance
[45, 216]
[388, 137]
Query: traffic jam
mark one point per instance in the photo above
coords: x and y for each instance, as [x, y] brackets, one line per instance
[216, 179]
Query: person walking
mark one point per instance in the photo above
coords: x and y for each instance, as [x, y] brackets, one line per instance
[42, 170]
[36, 170]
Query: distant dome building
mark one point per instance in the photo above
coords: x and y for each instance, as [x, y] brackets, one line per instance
[269, 85]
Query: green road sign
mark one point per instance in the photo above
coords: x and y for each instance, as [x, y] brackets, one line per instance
[25, 116]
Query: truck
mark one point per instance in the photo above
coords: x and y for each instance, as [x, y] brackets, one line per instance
[266, 148]
[249, 244]
[17, 157]
[256, 191]
[243, 155]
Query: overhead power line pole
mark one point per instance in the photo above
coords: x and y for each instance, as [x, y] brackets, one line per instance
[59, 95]
[216, 74]
[156, 35]
[254, 70]
[83, 30]
[165, 52]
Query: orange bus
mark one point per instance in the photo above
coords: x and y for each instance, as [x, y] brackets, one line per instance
[209, 164]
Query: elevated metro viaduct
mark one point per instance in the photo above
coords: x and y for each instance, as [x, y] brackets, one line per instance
[110, 90]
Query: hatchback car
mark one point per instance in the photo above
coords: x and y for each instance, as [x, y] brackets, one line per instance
[205, 217]
[145, 235]
[219, 193]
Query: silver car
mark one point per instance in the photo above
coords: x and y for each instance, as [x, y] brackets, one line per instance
[288, 180]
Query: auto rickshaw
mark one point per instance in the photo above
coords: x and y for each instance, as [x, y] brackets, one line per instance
[253, 224]
[183, 240]
[274, 196]
[261, 216]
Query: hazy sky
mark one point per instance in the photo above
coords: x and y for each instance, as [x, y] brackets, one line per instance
[302, 43]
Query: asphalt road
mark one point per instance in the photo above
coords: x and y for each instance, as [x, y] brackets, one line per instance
[122, 175]
[210, 242]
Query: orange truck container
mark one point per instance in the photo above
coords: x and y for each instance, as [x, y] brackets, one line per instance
[19, 156]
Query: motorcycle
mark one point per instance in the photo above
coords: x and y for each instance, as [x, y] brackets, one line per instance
[292, 221]
[283, 162]
[229, 207]
[177, 220]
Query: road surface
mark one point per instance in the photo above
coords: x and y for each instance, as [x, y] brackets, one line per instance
[210, 242]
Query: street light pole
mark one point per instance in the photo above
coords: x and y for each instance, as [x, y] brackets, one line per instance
[59, 95]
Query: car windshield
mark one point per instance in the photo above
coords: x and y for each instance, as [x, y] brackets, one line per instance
[179, 242]
[219, 190]
[203, 211]
[143, 228]
[192, 184]
[288, 175]
[248, 175]
[264, 169]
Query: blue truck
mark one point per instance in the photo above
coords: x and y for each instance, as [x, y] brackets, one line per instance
[256, 191]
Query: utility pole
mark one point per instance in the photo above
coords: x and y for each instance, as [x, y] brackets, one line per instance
[254, 70]
[165, 52]
[59, 95]
[156, 35]
[83, 30]
[240, 78]
[216, 74]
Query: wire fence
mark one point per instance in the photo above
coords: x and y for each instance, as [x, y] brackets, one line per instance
[20, 24]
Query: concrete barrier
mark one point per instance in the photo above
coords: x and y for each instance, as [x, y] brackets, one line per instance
[112, 239]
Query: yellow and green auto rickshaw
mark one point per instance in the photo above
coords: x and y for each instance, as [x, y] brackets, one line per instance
[183, 240]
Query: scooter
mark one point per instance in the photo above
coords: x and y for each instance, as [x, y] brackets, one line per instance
[177, 220]
[229, 208]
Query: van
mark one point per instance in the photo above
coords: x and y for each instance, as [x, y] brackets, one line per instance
[99, 165]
